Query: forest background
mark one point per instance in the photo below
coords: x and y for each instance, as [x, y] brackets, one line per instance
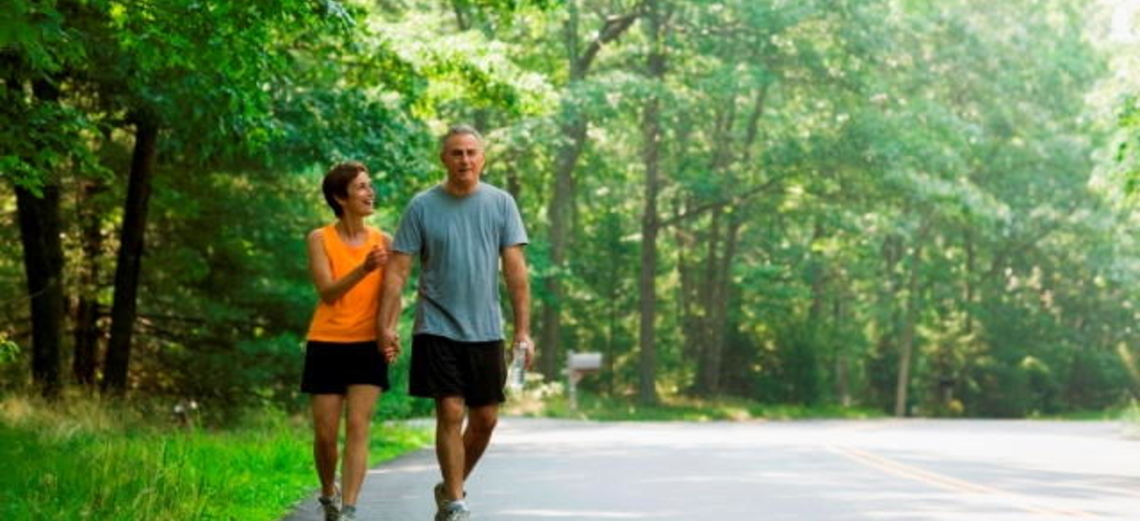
[921, 208]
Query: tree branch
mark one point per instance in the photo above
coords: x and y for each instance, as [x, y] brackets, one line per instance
[732, 201]
[613, 28]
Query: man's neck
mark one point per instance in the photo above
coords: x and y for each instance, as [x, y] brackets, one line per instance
[460, 189]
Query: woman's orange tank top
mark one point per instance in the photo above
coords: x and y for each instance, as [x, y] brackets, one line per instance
[352, 317]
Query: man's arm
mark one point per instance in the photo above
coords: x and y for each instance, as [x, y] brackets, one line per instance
[515, 271]
[395, 275]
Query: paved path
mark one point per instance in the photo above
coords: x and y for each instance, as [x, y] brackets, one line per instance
[546, 470]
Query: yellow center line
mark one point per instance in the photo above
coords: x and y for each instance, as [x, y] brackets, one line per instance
[951, 484]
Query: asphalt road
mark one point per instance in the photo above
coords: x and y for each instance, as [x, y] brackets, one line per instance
[539, 470]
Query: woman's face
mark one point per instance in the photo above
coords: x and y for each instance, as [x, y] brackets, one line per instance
[360, 196]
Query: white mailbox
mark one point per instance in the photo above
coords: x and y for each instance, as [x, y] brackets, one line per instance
[577, 366]
[584, 362]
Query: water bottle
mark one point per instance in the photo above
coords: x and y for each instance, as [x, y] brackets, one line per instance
[516, 373]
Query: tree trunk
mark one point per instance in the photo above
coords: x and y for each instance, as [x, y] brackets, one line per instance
[647, 283]
[561, 204]
[561, 211]
[128, 267]
[707, 293]
[842, 384]
[43, 264]
[87, 332]
[718, 312]
[906, 342]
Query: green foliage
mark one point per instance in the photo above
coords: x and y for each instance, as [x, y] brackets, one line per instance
[9, 350]
[893, 173]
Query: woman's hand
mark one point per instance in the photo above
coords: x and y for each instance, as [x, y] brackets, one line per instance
[377, 257]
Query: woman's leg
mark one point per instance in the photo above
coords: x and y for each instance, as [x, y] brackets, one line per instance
[361, 399]
[326, 422]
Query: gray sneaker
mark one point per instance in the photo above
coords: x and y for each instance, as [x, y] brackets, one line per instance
[348, 514]
[441, 499]
[440, 494]
[453, 512]
[330, 507]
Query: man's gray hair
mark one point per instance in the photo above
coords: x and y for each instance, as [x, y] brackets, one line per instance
[460, 130]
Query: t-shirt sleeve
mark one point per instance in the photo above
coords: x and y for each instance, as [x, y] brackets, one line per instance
[513, 231]
[409, 234]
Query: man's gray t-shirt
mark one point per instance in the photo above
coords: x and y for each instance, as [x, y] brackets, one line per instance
[458, 241]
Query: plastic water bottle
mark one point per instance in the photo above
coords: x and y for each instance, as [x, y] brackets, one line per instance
[516, 373]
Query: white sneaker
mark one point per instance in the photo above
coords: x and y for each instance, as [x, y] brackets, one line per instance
[453, 512]
[441, 499]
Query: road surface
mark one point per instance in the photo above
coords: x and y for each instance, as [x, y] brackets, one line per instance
[549, 470]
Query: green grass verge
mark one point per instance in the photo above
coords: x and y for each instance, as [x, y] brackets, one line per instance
[600, 408]
[1130, 419]
[88, 461]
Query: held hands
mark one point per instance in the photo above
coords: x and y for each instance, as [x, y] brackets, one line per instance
[390, 345]
[377, 257]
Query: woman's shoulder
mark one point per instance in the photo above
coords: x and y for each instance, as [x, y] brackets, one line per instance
[377, 233]
[317, 234]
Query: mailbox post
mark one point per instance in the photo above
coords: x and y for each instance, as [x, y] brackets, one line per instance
[577, 366]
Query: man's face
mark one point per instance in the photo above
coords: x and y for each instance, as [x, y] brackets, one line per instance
[463, 157]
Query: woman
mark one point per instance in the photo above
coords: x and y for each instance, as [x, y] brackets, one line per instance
[346, 368]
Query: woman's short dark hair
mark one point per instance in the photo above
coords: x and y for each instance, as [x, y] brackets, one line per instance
[337, 180]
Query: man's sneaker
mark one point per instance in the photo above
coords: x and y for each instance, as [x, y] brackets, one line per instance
[454, 511]
[441, 499]
[330, 508]
[440, 494]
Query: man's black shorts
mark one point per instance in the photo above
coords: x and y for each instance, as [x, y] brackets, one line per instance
[330, 367]
[444, 367]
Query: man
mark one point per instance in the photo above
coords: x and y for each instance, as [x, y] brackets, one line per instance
[461, 230]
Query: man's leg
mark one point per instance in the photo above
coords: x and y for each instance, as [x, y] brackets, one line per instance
[326, 421]
[361, 399]
[449, 446]
[481, 423]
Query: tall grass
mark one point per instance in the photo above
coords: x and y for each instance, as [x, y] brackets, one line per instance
[91, 461]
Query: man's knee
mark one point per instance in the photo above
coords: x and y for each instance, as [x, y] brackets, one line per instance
[449, 412]
[483, 420]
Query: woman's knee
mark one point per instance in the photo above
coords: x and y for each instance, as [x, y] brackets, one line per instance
[358, 424]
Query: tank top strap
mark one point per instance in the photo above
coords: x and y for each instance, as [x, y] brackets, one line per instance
[333, 245]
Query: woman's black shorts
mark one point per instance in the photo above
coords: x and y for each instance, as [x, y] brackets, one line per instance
[444, 367]
[330, 367]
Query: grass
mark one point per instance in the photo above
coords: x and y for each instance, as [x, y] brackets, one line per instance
[1130, 419]
[87, 460]
[541, 403]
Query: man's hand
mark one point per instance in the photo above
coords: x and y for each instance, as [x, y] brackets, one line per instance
[525, 338]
